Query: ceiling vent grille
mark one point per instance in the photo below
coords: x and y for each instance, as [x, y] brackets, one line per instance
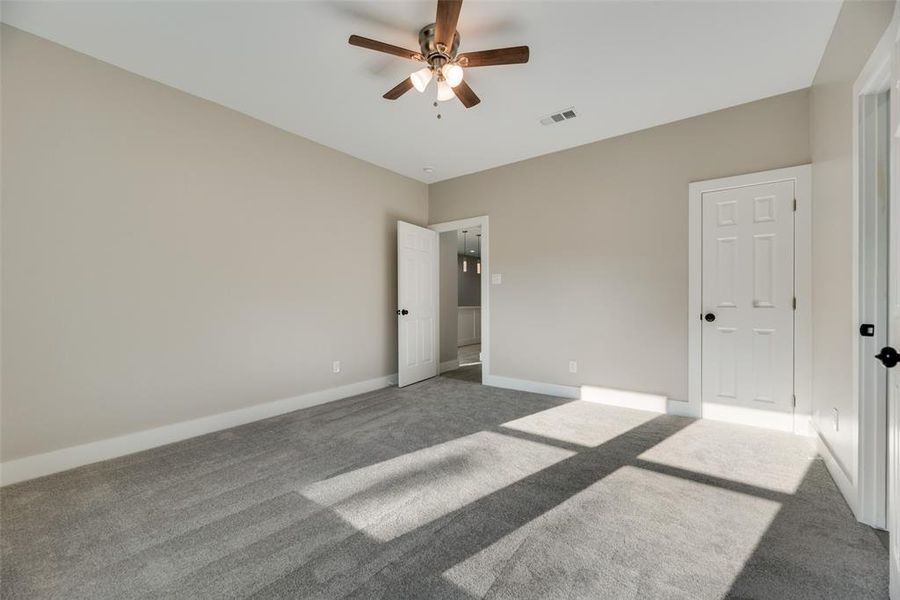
[558, 117]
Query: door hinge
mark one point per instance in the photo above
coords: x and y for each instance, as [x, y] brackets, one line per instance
[794, 400]
[795, 302]
[795, 205]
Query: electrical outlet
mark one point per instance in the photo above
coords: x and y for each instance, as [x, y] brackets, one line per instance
[836, 416]
[573, 366]
[336, 366]
[496, 278]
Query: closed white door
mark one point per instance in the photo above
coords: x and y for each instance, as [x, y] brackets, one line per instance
[417, 296]
[748, 305]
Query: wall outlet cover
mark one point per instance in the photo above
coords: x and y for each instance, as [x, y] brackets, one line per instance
[573, 366]
[496, 278]
[336, 366]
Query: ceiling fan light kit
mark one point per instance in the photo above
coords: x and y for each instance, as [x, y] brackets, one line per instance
[421, 78]
[438, 48]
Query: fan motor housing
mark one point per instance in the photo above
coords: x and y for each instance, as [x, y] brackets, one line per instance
[431, 52]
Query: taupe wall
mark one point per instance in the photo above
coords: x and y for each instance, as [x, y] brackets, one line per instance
[449, 282]
[165, 258]
[857, 31]
[469, 283]
[607, 285]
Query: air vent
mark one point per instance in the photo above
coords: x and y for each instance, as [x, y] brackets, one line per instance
[558, 117]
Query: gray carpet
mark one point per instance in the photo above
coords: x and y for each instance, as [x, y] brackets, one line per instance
[470, 373]
[446, 489]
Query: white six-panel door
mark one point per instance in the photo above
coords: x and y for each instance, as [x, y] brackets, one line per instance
[748, 305]
[417, 299]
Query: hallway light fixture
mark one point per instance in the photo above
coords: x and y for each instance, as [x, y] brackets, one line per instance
[478, 261]
[465, 248]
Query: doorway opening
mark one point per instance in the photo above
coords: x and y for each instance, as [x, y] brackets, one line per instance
[463, 276]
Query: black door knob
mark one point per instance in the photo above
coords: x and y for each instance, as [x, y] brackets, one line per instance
[888, 357]
[710, 317]
[403, 312]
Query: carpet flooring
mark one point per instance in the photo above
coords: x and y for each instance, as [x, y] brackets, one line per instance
[469, 355]
[446, 489]
[471, 373]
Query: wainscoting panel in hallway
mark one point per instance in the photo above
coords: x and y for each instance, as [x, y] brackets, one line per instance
[447, 489]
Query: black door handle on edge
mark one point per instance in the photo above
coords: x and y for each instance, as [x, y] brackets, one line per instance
[888, 357]
[403, 312]
[710, 317]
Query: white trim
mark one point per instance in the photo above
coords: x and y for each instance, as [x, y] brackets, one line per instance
[801, 176]
[845, 485]
[869, 437]
[625, 399]
[449, 365]
[893, 397]
[482, 222]
[537, 387]
[21, 469]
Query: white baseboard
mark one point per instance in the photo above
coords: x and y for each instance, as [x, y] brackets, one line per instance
[681, 408]
[843, 481]
[523, 385]
[22, 469]
[647, 401]
[625, 399]
[449, 365]
[895, 577]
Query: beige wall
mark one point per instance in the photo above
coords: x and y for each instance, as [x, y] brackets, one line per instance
[165, 258]
[857, 31]
[592, 243]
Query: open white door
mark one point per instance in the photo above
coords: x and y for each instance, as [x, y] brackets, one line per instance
[417, 298]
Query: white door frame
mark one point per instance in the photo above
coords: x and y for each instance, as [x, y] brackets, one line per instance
[893, 397]
[883, 62]
[870, 437]
[485, 284]
[801, 176]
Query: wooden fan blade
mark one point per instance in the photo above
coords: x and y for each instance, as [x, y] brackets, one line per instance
[466, 95]
[445, 22]
[356, 40]
[399, 89]
[489, 58]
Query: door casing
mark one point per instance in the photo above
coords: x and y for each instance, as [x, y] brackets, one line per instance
[881, 72]
[870, 445]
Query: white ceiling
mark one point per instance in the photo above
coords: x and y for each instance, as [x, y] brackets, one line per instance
[624, 66]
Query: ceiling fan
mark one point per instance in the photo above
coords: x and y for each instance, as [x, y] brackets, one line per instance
[438, 44]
